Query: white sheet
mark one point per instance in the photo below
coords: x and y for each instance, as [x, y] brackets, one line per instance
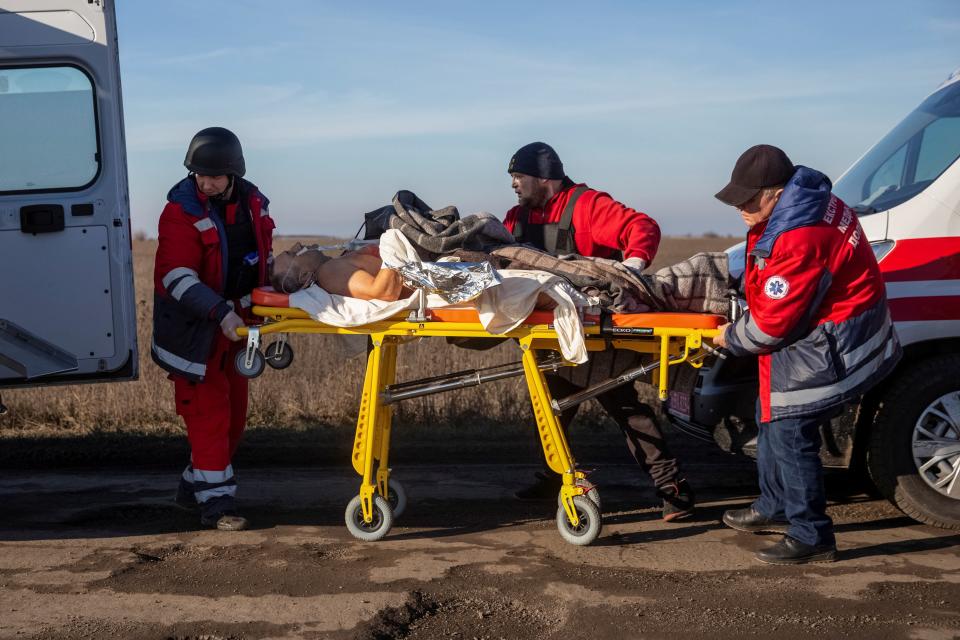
[501, 308]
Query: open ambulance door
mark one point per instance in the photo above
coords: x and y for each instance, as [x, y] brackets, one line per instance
[67, 309]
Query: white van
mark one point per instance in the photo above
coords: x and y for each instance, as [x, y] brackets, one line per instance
[67, 310]
[905, 432]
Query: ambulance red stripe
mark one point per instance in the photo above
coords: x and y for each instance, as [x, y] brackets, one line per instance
[922, 259]
[925, 308]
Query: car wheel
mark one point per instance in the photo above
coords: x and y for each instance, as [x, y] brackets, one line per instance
[914, 456]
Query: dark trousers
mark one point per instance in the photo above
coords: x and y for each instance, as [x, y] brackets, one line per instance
[637, 422]
[791, 477]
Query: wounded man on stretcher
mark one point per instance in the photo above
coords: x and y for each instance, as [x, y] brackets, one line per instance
[504, 285]
[700, 284]
[356, 274]
[411, 234]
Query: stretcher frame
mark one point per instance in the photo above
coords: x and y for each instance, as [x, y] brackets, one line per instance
[670, 345]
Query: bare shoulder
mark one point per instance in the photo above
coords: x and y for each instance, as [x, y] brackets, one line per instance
[369, 263]
[335, 275]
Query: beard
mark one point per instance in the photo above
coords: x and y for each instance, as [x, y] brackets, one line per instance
[535, 199]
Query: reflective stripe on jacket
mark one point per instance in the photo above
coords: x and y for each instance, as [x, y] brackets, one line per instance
[190, 271]
[818, 314]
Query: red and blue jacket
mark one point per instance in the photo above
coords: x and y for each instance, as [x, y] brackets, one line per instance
[190, 273]
[818, 315]
[601, 226]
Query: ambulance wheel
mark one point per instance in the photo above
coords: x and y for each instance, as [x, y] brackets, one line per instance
[396, 497]
[279, 355]
[591, 492]
[256, 367]
[373, 530]
[914, 456]
[590, 522]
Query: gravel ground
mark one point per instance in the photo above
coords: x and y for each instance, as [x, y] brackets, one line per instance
[95, 554]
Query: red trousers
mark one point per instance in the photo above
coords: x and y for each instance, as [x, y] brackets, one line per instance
[215, 412]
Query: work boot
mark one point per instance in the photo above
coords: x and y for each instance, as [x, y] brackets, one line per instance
[226, 522]
[792, 551]
[678, 500]
[546, 487]
[220, 513]
[753, 521]
[185, 498]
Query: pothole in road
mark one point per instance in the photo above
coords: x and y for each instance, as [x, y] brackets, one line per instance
[459, 614]
[243, 569]
[396, 622]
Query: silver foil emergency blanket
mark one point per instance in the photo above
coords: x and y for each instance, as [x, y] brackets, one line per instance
[454, 282]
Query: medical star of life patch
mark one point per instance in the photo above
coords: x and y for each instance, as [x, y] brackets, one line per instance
[776, 287]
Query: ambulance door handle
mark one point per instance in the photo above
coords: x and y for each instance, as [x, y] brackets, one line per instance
[41, 218]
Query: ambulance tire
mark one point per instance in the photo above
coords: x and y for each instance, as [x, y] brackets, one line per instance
[256, 367]
[890, 459]
[277, 357]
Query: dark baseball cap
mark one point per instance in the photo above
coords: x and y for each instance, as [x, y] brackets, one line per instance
[760, 166]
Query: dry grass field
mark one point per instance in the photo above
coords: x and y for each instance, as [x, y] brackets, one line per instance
[320, 390]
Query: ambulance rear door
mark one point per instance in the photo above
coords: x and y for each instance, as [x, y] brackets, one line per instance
[67, 308]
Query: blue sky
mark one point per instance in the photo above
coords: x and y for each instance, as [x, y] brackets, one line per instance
[339, 105]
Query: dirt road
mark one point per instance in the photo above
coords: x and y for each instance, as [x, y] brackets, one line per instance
[95, 555]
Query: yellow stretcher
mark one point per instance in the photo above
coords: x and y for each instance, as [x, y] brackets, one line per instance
[672, 338]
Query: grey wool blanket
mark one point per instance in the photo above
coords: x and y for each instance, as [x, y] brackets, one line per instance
[434, 233]
[699, 284]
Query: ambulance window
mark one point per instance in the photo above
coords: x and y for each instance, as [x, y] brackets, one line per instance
[888, 176]
[909, 158]
[48, 129]
[939, 148]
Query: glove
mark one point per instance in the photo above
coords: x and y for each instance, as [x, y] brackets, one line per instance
[229, 325]
[635, 265]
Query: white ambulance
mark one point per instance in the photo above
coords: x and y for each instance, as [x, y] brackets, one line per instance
[67, 310]
[906, 190]
[906, 432]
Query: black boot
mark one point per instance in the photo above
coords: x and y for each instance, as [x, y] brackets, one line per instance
[678, 500]
[792, 551]
[220, 513]
[753, 521]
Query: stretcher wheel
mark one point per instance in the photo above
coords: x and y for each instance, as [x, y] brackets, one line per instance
[591, 492]
[256, 368]
[590, 522]
[396, 497]
[369, 531]
[279, 355]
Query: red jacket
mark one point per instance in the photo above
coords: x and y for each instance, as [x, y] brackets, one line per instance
[602, 226]
[817, 313]
[190, 271]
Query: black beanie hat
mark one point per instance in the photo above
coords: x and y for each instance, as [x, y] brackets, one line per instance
[537, 159]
